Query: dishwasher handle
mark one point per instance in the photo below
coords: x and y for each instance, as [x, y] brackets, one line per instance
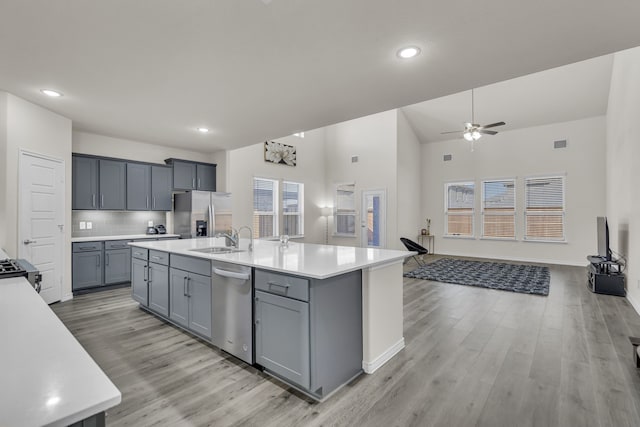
[232, 274]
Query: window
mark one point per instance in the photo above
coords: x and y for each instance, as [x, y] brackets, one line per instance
[268, 218]
[344, 218]
[459, 207]
[292, 208]
[544, 208]
[265, 207]
[499, 209]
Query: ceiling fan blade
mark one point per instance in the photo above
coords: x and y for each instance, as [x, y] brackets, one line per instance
[492, 125]
[453, 131]
[488, 132]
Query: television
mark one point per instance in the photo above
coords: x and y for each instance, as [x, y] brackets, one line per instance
[603, 239]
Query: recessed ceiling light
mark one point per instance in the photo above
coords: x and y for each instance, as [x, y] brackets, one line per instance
[408, 52]
[51, 93]
[203, 130]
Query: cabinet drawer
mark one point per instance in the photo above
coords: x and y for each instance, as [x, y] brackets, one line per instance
[159, 257]
[139, 253]
[282, 284]
[116, 244]
[192, 265]
[87, 246]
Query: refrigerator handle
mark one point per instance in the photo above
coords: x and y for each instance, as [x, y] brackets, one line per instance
[212, 225]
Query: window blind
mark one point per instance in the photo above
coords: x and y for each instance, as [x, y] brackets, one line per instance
[460, 202]
[544, 208]
[292, 208]
[499, 209]
[265, 207]
[345, 210]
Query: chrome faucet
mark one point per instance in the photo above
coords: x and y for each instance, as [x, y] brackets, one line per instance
[250, 235]
[233, 237]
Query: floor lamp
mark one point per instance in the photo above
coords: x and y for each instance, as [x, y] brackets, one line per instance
[326, 212]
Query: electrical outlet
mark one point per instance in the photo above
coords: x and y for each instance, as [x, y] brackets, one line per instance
[83, 225]
[89, 225]
[149, 223]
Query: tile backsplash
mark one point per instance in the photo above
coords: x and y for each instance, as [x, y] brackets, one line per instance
[113, 223]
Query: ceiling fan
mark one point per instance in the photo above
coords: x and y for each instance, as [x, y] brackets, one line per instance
[473, 131]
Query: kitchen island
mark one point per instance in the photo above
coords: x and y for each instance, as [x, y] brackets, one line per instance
[315, 275]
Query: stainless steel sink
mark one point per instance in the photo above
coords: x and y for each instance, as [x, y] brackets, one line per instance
[218, 250]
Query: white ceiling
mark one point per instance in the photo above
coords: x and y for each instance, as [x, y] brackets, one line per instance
[562, 94]
[253, 70]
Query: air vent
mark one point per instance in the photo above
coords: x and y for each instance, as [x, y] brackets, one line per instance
[448, 157]
[560, 144]
[354, 159]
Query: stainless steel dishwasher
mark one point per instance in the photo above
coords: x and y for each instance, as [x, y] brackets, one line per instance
[232, 329]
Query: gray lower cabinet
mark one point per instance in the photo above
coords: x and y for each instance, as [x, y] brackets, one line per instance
[308, 332]
[117, 266]
[139, 286]
[158, 280]
[87, 269]
[190, 301]
[282, 336]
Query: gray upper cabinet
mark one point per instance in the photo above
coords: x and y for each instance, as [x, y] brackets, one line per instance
[84, 183]
[184, 175]
[159, 288]
[206, 177]
[117, 266]
[113, 176]
[138, 187]
[161, 185]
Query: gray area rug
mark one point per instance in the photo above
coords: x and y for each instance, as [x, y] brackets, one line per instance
[528, 279]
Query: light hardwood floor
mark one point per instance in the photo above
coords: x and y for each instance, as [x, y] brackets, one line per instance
[473, 357]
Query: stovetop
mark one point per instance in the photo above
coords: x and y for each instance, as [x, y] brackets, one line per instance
[10, 268]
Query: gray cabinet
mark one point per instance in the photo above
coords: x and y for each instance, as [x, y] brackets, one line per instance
[161, 185]
[190, 301]
[139, 286]
[112, 185]
[282, 336]
[158, 280]
[206, 177]
[117, 266]
[84, 192]
[87, 269]
[308, 332]
[138, 187]
[184, 175]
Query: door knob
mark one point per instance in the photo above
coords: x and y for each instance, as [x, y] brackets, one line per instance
[27, 241]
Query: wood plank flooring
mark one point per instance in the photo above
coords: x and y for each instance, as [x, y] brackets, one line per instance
[473, 357]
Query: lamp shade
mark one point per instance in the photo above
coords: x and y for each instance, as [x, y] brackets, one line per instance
[326, 211]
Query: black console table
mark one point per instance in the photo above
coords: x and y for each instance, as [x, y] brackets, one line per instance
[605, 277]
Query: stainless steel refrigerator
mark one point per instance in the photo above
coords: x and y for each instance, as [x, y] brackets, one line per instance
[201, 214]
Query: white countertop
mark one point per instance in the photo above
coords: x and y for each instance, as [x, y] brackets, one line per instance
[122, 237]
[304, 259]
[46, 377]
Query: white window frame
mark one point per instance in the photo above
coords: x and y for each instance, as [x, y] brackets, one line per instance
[526, 213]
[338, 211]
[483, 208]
[300, 212]
[274, 213]
[447, 213]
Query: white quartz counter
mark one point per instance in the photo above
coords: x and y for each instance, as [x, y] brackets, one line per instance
[46, 377]
[304, 259]
[123, 237]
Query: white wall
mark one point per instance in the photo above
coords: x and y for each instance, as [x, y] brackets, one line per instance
[248, 162]
[521, 153]
[623, 173]
[3, 172]
[33, 128]
[409, 185]
[373, 139]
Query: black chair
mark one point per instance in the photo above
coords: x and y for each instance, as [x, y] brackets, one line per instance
[414, 247]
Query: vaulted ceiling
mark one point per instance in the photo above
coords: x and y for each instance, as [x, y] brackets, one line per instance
[252, 70]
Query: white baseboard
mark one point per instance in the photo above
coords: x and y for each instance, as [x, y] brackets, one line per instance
[371, 367]
[582, 263]
[634, 303]
[66, 297]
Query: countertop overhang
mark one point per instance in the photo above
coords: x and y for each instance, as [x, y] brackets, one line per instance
[303, 259]
[47, 378]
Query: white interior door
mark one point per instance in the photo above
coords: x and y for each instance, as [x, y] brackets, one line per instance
[41, 220]
[373, 219]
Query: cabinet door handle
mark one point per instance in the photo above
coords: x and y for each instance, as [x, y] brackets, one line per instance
[154, 202]
[155, 257]
[93, 200]
[194, 183]
[147, 203]
[198, 182]
[106, 261]
[97, 261]
[149, 275]
[272, 283]
[184, 283]
[102, 200]
[146, 274]
[188, 291]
